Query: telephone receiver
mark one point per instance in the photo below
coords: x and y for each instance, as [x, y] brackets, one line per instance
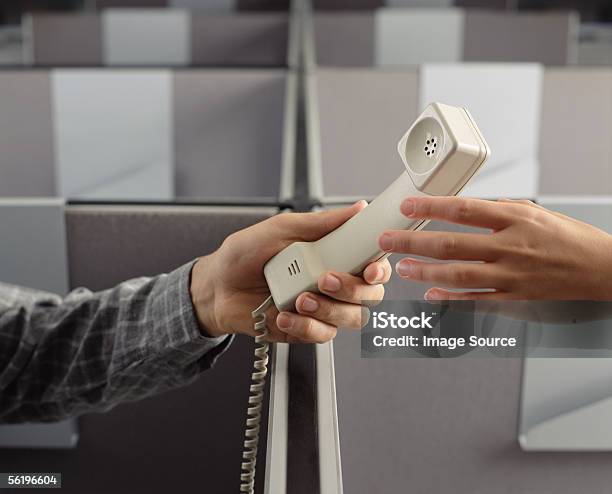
[442, 151]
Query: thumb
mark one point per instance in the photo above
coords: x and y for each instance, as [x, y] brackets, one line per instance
[313, 226]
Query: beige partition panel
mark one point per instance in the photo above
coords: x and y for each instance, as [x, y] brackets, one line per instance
[550, 38]
[26, 135]
[361, 121]
[344, 38]
[229, 132]
[63, 39]
[239, 39]
[575, 146]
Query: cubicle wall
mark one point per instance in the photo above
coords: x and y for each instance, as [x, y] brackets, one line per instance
[156, 37]
[394, 37]
[126, 450]
[356, 114]
[147, 134]
[33, 254]
[360, 159]
[565, 402]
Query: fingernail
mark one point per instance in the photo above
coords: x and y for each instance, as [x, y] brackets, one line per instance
[361, 202]
[379, 275]
[385, 241]
[407, 207]
[309, 304]
[404, 268]
[284, 321]
[430, 296]
[331, 283]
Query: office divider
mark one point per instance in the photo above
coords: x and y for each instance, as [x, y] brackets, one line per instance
[549, 38]
[62, 39]
[575, 145]
[148, 134]
[505, 101]
[113, 134]
[146, 37]
[595, 46]
[127, 446]
[33, 254]
[26, 134]
[565, 402]
[402, 37]
[156, 38]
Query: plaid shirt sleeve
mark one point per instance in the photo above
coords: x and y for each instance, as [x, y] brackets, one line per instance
[90, 351]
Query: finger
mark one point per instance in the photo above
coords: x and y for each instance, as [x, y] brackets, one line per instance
[330, 311]
[452, 275]
[539, 207]
[441, 245]
[307, 329]
[461, 210]
[313, 226]
[348, 288]
[378, 272]
[440, 294]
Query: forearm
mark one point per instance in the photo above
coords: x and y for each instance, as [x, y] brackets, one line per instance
[91, 351]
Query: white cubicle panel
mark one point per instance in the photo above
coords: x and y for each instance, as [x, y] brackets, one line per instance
[146, 37]
[62, 39]
[404, 36]
[33, 254]
[359, 124]
[566, 402]
[575, 146]
[504, 99]
[26, 135]
[229, 132]
[550, 38]
[344, 38]
[113, 134]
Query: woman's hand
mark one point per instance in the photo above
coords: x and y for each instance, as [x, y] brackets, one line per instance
[530, 253]
[228, 284]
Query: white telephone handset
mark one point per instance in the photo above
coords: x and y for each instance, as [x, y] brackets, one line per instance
[442, 152]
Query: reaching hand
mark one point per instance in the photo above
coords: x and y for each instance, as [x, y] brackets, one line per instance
[531, 252]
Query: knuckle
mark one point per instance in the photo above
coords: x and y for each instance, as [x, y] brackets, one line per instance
[447, 247]
[463, 211]
[352, 291]
[459, 275]
[309, 330]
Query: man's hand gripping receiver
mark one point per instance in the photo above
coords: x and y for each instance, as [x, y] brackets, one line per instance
[442, 151]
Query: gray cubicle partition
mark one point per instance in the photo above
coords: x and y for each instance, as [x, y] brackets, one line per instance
[357, 116]
[62, 39]
[565, 402]
[200, 442]
[344, 39]
[229, 132]
[33, 253]
[148, 134]
[577, 110]
[595, 46]
[400, 37]
[245, 39]
[549, 38]
[26, 134]
[156, 37]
